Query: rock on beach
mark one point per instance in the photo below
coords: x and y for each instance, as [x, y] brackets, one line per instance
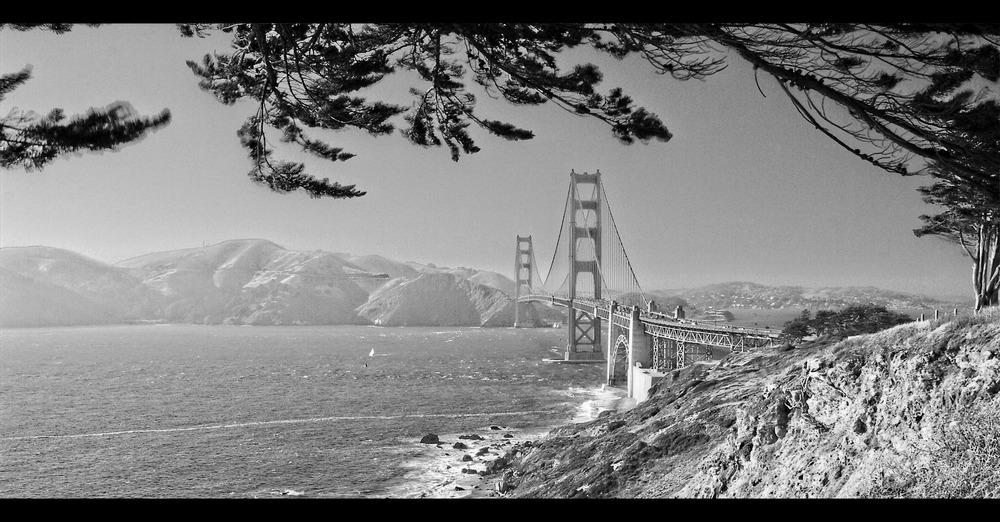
[481, 468]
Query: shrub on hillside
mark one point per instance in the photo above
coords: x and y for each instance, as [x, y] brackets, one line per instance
[960, 462]
[852, 320]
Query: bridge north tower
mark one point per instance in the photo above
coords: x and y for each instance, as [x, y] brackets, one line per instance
[523, 270]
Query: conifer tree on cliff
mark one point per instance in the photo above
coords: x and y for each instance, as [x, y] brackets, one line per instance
[912, 99]
[973, 221]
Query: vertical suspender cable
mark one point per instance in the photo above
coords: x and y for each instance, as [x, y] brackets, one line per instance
[645, 302]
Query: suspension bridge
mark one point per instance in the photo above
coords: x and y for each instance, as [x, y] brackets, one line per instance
[591, 276]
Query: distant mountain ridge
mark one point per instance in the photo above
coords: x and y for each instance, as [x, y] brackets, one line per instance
[743, 294]
[249, 281]
[257, 282]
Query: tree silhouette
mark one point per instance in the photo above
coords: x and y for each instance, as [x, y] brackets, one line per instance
[308, 76]
[839, 324]
[971, 220]
[31, 141]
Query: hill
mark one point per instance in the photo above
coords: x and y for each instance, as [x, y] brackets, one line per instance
[742, 294]
[253, 282]
[114, 295]
[27, 302]
[913, 410]
[257, 282]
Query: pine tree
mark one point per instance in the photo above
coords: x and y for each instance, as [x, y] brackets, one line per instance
[971, 220]
[307, 76]
[31, 141]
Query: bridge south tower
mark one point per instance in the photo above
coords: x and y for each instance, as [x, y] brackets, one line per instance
[584, 260]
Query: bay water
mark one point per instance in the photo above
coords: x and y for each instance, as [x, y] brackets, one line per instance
[188, 411]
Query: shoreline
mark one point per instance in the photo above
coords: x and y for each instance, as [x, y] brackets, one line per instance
[451, 467]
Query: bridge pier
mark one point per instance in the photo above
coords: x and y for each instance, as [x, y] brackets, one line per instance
[639, 355]
[664, 353]
[584, 335]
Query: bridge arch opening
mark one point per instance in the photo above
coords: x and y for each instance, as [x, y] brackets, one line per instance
[619, 361]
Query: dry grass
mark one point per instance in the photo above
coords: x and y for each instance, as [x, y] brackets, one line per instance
[984, 316]
[960, 462]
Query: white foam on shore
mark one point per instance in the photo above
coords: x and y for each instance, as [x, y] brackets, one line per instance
[602, 399]
[435, 470]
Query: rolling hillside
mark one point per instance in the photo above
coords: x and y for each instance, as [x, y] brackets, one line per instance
[253, 282]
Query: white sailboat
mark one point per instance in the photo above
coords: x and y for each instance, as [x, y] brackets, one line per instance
[371, 353]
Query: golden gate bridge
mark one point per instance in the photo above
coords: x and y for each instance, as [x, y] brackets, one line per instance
[591, 276]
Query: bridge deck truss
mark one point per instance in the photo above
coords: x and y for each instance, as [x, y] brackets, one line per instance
[734, 340]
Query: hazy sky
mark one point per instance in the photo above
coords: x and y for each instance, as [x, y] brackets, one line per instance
[746, 190]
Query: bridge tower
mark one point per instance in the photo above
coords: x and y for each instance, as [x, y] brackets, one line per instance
[522, 272]
[585, 231]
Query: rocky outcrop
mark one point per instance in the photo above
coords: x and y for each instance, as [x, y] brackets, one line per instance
[819, 420]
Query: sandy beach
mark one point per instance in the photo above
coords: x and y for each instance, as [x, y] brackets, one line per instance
[443, 470]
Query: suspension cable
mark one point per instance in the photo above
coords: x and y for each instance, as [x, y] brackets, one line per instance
[555, 252]
[645, 302]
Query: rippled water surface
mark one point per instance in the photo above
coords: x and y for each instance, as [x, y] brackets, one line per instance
[228, 411]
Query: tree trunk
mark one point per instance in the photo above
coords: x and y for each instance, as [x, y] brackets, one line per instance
[986, 268]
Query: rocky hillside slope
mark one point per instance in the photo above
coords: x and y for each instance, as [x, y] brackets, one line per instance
[820, 420]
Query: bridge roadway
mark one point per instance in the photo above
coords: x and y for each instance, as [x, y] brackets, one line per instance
[655, 324]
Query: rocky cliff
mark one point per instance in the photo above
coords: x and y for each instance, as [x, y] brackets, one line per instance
[866, 416]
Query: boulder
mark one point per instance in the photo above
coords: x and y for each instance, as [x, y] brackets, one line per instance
[430, 438]
[496, 465]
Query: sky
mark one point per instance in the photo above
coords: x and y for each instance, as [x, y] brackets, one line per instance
[745, 191]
